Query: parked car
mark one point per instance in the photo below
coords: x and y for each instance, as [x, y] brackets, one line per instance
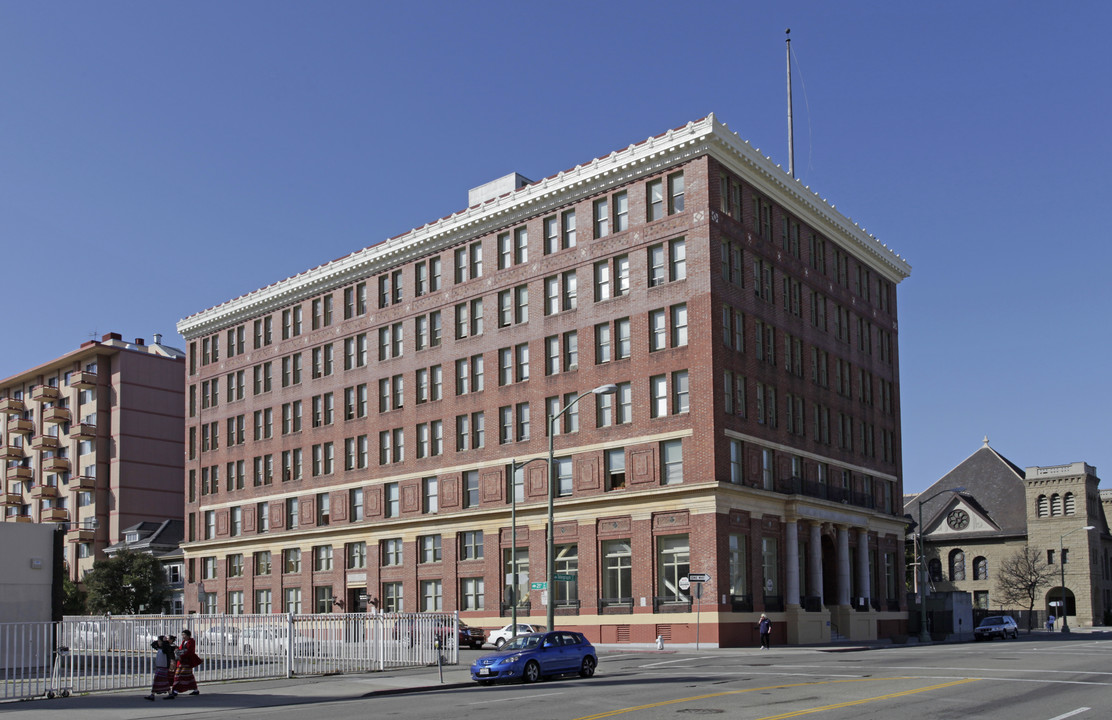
[537, 655]
[502, 635]
[468, 636]
[219, 635]
[270, 641]
[1000, 626]
[87, 635]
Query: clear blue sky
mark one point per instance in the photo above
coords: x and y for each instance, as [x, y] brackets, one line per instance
[159, 158]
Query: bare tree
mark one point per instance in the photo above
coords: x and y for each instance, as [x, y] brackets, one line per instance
[1021, 577]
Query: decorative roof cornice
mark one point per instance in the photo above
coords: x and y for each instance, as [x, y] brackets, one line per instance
[702, 137]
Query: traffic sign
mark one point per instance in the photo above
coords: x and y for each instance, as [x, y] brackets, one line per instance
[698, 577]
[685, 584]
[538, 586]
[563, 577]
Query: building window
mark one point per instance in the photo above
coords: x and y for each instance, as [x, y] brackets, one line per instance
[322, 558]
[615, 468]
[980, 568]
[392, 553]
[430, 549]
[262, 562]
[562, 467]
[471, 488]
[675, 193]
[567, 563]
[291, 560]
[737, 465]
[739, 565]
[654, 200]
[291, 602]
[432, 596]
[322, 509]
[957, 565]
[673, 563]
[392, 499]
[323, 599]
[617, 573]
[518, 558]
[263, 602]
[471, 545]
[431, 495]
[356, 553]
[393, 599]
[770, 562]
[671, 456]
[621, 211]
[980, 599]
[471, 593]
[602, 218]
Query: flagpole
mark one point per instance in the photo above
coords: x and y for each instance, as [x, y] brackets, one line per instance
[791, 133]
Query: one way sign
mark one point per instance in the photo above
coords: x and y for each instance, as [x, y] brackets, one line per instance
[698, 577]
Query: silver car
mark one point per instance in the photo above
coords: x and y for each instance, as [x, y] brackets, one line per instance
[1001, 626]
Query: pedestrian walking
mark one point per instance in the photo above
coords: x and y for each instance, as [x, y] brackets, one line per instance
[184, 680]
[1050, 622]
[765, 626]
[163, 667]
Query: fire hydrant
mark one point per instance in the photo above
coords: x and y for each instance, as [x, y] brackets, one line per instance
[659, 642]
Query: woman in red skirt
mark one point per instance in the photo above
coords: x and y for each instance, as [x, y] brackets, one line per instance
[163, 662]
[184, 681]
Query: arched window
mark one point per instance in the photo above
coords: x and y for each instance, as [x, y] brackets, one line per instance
[1055, 504]
[957, 565]
[934, 568]
[1069, 503]
[980, 568]
[1044, 506]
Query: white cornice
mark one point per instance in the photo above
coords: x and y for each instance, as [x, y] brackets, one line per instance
[706, 136]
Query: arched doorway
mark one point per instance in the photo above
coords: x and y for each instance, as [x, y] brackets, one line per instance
[1053, 603]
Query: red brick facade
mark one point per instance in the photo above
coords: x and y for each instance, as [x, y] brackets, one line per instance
[670, 282]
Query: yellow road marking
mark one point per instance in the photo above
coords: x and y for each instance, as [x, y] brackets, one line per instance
[612, 713]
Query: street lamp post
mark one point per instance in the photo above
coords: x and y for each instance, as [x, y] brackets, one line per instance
[925, 636]
[1062, 566]
[608, 389]
[514, 467]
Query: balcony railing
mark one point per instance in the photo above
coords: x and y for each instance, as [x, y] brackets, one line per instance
[45, 393]
[19, 473]
[21, 426]
[55, 515]
[11, 452]
[83, 431]
[11, 499]
[56, 464]
[11, 406]
[44, 442]
[83, 380]
[83, 482]
[57, 415]
[44, 492]
[810, 488]
[80, 533]
[22, 518]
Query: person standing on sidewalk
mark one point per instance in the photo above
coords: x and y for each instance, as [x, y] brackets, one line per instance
[765, 627]
[184, 680]
[163, 662]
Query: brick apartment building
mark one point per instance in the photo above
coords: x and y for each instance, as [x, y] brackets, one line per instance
[94, 439]
[350, 430]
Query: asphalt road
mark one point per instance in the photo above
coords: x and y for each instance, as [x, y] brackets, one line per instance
[1039, 677]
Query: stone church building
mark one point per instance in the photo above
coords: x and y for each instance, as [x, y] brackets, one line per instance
[999, 508]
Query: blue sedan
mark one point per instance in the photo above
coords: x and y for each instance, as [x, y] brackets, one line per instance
[531, 657]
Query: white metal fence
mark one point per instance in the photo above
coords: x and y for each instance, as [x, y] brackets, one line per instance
[94, 653]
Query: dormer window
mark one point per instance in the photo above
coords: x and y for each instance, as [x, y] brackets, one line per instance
[132, 537]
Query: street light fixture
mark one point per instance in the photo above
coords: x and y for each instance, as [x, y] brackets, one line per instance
[1062, 566]
[514, 467]
[550, 570]
[925, 636]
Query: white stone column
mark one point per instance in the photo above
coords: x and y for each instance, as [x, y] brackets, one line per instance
[863, 568]
[815, 564]
[791, 549]
[843, 565]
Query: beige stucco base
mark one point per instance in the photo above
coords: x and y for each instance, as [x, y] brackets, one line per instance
[853, 624]
[807, 628]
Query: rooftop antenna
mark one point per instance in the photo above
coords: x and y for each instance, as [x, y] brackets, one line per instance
[791, 132]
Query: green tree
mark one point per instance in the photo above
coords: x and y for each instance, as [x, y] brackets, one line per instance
[126, 584]
[73, 598]
[1020, 579]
